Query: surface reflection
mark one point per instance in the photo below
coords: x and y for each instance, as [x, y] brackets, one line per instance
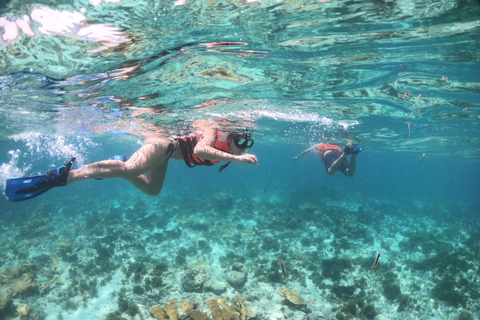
[72, 24]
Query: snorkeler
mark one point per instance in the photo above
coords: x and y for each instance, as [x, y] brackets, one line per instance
[207, 147]
[334, 158]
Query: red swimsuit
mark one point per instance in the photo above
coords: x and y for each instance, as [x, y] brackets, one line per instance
[189, 145]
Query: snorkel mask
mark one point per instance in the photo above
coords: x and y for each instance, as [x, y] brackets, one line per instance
[242, 140]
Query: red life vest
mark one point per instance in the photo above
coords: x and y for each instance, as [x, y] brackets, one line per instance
[221, 144]
[324, 147]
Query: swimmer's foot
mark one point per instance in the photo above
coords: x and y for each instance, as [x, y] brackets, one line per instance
[352, 150]
[118, 157]
[356, 150]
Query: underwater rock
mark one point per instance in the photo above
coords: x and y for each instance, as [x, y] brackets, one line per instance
[335, 268]
[64, 248]
[237, 266]
[23, 311]
[174, 233]
[236, 279]
[215, 286]
[194, 279]
[200, 225]
[391, 291]
[41, 259]
[237, 276]
[343, 292]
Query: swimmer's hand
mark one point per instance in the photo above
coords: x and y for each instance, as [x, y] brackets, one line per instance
[247, 158]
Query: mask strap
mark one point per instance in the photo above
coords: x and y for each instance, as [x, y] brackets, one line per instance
[223, 167]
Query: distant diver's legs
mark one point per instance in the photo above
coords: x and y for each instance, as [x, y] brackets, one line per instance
[351, 166]
[336, 164]
[153, 154]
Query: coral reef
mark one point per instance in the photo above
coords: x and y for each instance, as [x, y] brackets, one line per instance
[356, 308]
[19, 281]
[197, 279]
[102, 256]
[219, 308]
[37, 227]
[194, 279]
[65, 248]
[237, 275]
[292, 297]
[169, 310]
[5, 306]
[157, 312]
[343, 292]
[24, 311]
[445, 290]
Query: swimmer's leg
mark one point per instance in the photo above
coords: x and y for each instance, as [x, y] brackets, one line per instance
[336, 164]
[152, 183]
[351, 166]
[143, 160]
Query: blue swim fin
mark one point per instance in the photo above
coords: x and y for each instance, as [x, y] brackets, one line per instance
[356, 150]
[26, 188]
[118, 157]
[17, 184]
[352, 150]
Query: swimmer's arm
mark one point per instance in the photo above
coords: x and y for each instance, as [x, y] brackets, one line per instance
[210, 153]
[205, 150]
[301, 155]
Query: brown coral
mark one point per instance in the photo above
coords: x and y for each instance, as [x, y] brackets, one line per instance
[240, 302]
[184, 305]
[171, 309]
[157, 312]
[292, 297]
[219, 308]
[26, 283]
[46, 285]
[19, 280]
[196, 314]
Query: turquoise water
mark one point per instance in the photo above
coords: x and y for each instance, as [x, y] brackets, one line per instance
[89, 79]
